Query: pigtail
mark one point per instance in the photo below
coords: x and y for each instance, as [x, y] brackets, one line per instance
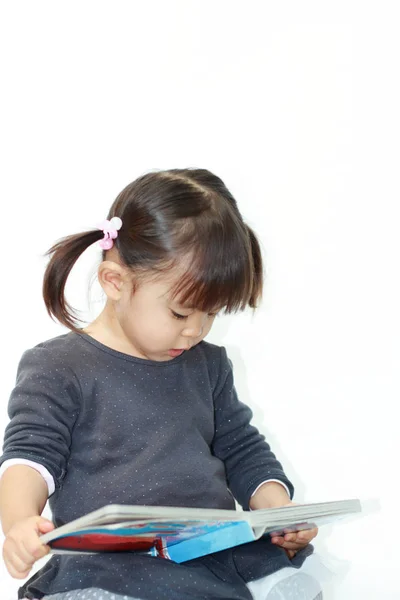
[257, 290]
[63, 256]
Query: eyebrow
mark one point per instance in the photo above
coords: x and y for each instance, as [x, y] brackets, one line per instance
[170, 300]
[187, 306]
[183, 307]
[194, 308]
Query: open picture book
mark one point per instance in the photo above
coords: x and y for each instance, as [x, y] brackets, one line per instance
[181, 534]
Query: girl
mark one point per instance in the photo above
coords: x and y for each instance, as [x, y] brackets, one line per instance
[137, 408]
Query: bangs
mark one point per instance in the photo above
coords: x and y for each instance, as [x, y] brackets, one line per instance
[218, 274]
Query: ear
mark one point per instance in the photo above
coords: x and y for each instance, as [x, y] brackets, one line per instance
[112, 278]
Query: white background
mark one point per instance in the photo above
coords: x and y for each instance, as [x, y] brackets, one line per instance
[295, 105]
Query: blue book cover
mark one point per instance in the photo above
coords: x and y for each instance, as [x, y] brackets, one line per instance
[176, 541]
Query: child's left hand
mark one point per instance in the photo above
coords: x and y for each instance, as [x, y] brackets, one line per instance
[295, 541]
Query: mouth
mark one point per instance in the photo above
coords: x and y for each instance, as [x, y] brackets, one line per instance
[177, 351]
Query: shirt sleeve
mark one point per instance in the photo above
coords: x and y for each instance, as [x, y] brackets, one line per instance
[43, 408]
[29, 463]
[248, 458]
[276, 481]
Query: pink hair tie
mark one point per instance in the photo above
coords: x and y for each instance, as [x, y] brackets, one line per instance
[110, 229]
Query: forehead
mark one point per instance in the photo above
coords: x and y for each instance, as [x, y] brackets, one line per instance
[163, 283]
[163, 287]
[164, 290]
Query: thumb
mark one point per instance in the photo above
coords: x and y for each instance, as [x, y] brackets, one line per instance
[44, 525]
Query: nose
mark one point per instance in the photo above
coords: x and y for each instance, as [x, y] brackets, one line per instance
[194, 330]
[189, 332]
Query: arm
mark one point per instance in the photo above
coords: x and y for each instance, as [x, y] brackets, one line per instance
[23, 493]
[269, 495]
[30, 463]
[43, 409]
[248, 458]
[249, 461]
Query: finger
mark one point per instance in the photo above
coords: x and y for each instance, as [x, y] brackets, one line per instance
[290, 537]
[14, 573]
[314, 532]
[19, 567]
[307, 535]
[289, 553]
[279, 540]
[293, 545]
[12, 548]
[45, 526]
[35, 548]
[40, 551]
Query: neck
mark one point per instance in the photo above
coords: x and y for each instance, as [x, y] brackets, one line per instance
[107, 330]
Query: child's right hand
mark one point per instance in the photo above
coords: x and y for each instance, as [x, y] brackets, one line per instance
[22, 546]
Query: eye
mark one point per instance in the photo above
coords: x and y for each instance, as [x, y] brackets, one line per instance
[182, 317]
[178, 316]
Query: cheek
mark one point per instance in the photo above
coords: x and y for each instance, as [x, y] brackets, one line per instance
[210, 323]
[162, 328]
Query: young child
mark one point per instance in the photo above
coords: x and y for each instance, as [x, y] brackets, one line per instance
[137, 408]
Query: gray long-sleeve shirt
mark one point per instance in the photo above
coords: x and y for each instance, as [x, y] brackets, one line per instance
[113, 428]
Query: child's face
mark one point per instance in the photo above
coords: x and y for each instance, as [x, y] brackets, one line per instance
[152, 324]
